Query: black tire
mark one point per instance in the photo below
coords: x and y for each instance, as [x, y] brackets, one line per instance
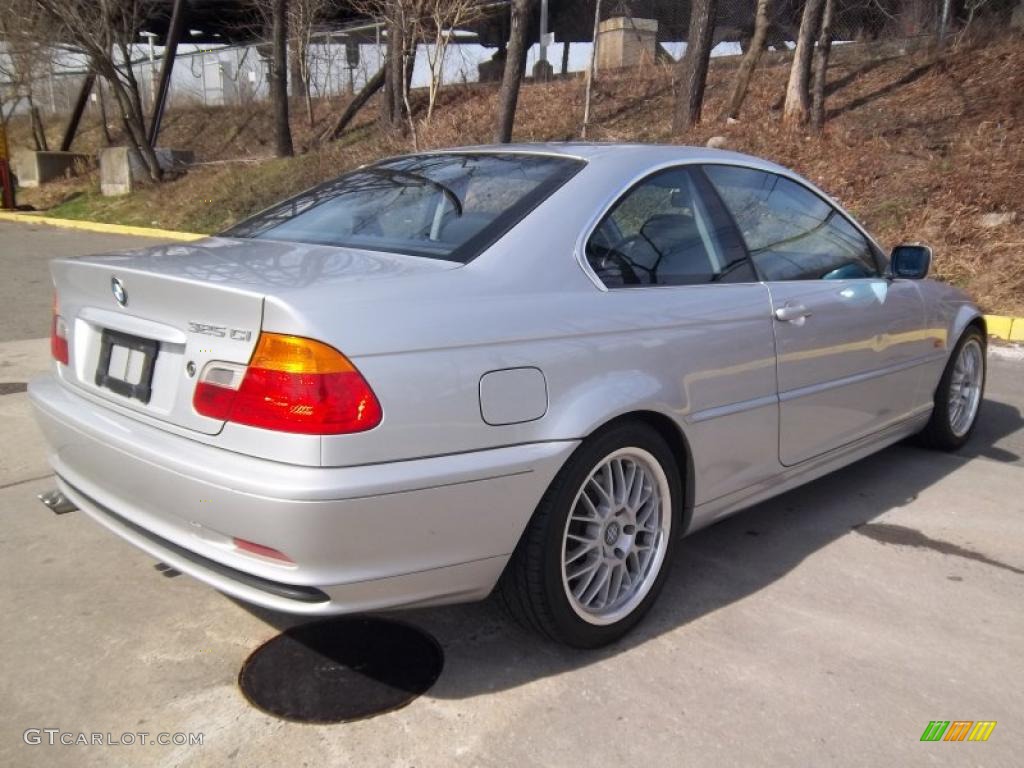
[939, 434]
[531, 586]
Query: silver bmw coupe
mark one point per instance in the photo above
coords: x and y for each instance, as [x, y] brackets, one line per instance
[530, 368]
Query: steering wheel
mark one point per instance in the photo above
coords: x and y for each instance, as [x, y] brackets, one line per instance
[626, 244]
[605, 259]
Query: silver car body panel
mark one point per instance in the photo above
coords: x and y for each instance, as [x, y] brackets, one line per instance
[428, 506]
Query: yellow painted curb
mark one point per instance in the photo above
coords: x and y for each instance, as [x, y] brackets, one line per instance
[1005, 328]
[95, 226]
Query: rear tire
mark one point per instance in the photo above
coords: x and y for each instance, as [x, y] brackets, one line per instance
[597, 550]
[959, 395]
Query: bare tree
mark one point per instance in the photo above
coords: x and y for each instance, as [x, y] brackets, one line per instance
[303, 18]
[750, 60]
[821, 54]
[515, 63]
[272, 19]
[796, 109]
[402, 20]
[26, 56]
[105, 33]
[440, 20]
[373, 85]
[693, 67]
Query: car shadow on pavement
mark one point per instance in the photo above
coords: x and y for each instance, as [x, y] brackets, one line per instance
[485, 651]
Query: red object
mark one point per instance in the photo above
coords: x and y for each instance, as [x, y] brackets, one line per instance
[6, 185]
[259, 549]
[58, 336]
[292, 385]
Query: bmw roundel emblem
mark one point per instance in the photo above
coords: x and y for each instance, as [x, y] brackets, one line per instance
[117, 288]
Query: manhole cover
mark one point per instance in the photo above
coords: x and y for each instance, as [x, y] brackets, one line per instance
[341, 669]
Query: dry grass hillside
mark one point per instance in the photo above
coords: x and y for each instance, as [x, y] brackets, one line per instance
[918, 147]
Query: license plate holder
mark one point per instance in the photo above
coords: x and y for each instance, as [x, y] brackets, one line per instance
[126, 384]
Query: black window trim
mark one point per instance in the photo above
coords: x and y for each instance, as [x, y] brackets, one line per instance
[500, 226]
[717, 209]
[877, 255]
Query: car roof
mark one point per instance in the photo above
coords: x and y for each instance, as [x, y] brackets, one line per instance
[644, 153]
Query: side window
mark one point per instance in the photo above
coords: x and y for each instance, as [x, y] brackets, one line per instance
[791, 233]
[662, 232]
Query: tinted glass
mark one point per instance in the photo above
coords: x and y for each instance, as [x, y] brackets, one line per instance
[791, 233]
[662, 232]
[445, 206]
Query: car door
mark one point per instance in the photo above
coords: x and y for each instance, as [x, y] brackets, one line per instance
[849, 342]
[678, 275]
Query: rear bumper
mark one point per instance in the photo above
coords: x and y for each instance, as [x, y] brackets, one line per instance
[403, 534]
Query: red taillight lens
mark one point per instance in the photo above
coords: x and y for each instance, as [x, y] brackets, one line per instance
[58, 336]
[292, 384]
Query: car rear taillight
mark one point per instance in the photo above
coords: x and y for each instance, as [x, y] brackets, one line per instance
[58, 335]
[291, 384]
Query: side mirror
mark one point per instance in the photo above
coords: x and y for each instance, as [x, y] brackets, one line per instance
[910, 262]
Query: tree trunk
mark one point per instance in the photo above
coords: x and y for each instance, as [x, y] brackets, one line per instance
[797, 106]
[394, 111]
[515, 63]
[372, 86]
[279, 79]
[134, 124]
[693, 68]
[750, 61]
[821, 54]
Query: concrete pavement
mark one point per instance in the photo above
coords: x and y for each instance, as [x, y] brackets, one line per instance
[826, 627]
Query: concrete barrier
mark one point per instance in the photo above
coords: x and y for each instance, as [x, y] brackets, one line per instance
[35, 168]
[121, 168]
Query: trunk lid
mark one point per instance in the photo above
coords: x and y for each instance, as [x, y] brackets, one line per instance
[186, 305]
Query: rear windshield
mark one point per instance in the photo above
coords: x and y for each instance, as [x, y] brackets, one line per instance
[442, 206]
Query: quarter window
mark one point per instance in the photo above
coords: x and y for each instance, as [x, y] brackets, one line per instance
[791, 233]
[661, 232]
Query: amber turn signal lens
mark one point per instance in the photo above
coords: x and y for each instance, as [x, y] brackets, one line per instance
[294, 354]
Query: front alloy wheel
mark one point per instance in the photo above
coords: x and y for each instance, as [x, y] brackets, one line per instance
[959, 395]
[596, 552]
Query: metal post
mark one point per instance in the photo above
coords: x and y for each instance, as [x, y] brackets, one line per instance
[6, 184]
[944, 21]
[53, 99]
[591, 71]
[543, 53]
[202, 70]
[174, 32]
[152, 71]
[76, 113]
